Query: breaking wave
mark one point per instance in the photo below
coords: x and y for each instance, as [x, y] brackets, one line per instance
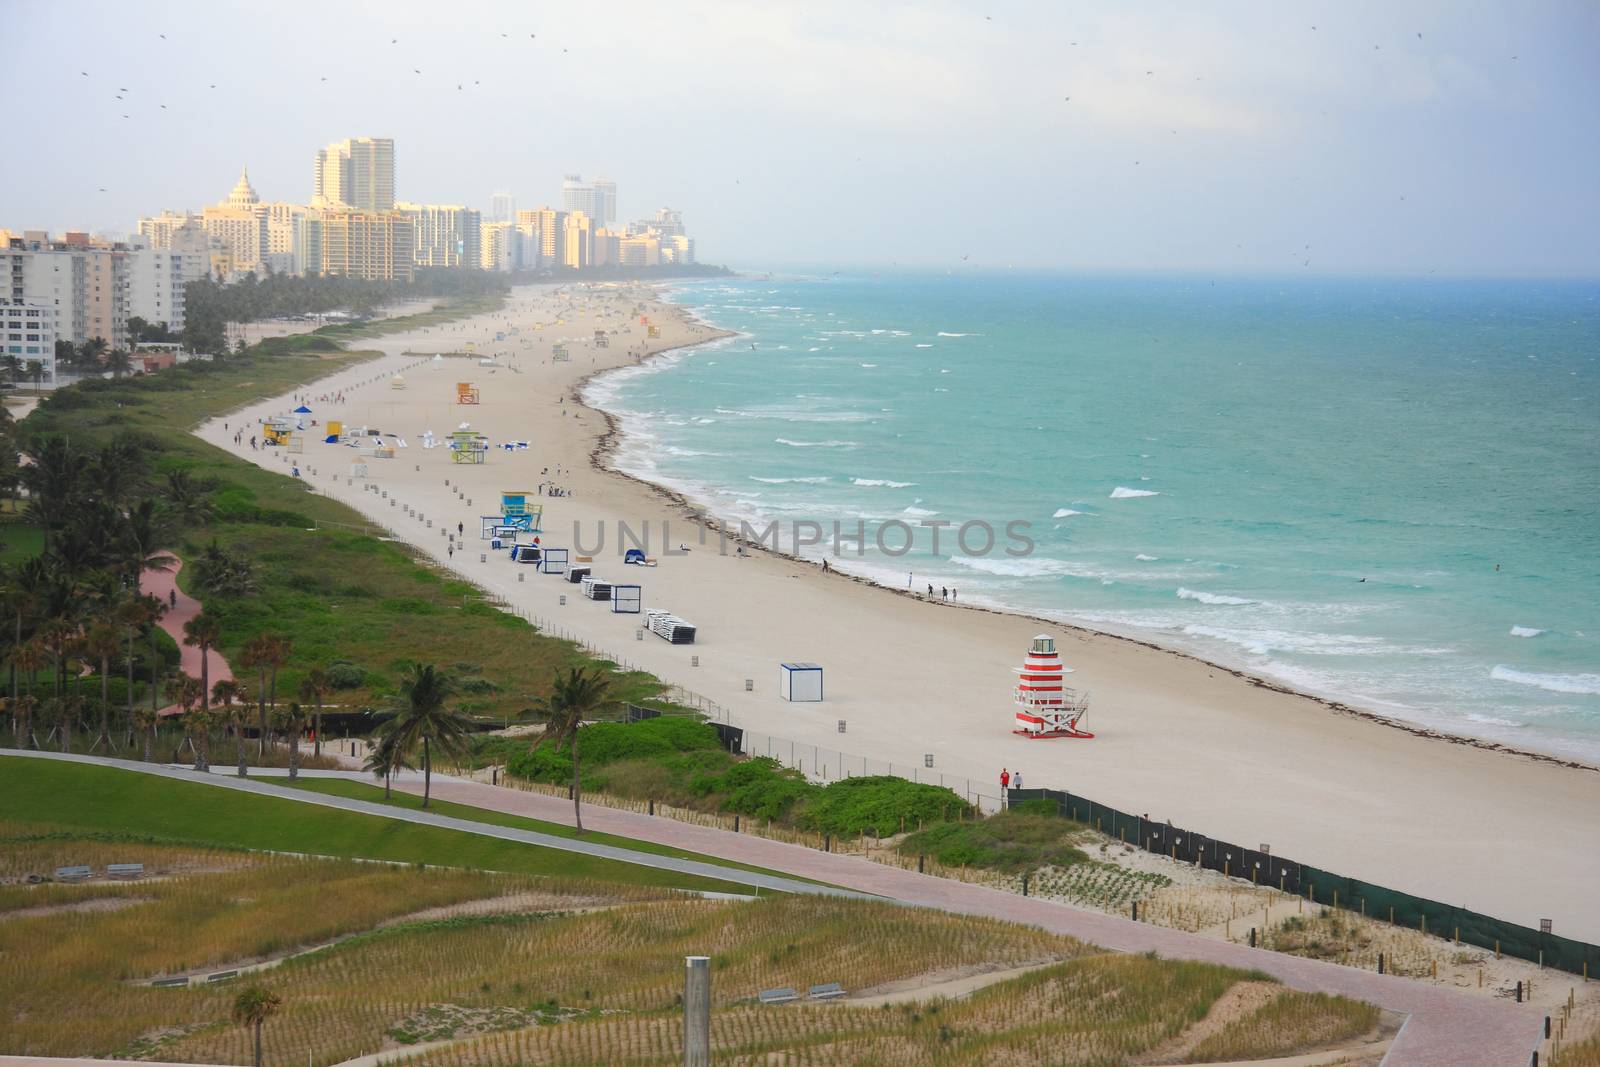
[1551, 683]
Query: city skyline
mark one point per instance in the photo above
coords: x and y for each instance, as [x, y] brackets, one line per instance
[1353, 138]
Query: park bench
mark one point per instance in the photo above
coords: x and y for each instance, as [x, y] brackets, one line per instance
[777, 996]
[221, 976]
[125, 870]
[80, 873]
[170, 983]
[826, 991]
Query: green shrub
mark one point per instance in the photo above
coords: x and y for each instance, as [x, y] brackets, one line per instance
[1011, 841]
[342, 674]
[880, 805]
[761, 786]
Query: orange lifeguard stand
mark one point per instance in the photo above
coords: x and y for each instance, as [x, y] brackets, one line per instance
[466, 393]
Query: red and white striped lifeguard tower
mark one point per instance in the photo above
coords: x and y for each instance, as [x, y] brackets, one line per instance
[1045, 706]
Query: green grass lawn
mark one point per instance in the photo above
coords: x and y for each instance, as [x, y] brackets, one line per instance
[104, 800]
[20, 541]
[344, 787]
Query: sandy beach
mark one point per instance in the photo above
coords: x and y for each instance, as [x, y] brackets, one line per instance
[1516, 836]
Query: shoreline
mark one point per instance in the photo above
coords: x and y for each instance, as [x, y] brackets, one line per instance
[607, 449]
[1210, 747]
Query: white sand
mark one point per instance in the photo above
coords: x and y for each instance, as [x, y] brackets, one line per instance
[1505, 834]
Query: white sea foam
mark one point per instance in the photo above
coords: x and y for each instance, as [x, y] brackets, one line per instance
[868, 365]
[1207, 598]
[1062, 513]
[1552, 683]
[1026, 567]
[1122, 492]
[943, 334]
[813, 480]
[1490, 720]
[1525, 631]
[674, 450]
[1146, 559]
[886, 483]
[814, 444]
[924, 346]
[918, 512]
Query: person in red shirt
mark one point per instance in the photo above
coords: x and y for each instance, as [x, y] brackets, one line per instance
[1005, 779]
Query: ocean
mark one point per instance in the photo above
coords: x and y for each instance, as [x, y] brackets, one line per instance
[1381, 491]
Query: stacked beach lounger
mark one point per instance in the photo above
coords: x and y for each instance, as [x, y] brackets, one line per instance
[596, 588]
[666, 625]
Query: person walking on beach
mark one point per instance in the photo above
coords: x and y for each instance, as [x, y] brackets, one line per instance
[1005, 781]
[1016, 780]
[461, 528]
[944, 593]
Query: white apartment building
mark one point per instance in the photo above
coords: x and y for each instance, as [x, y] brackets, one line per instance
[156, 280]
[447, 235]
[86, 285]
[28, 334]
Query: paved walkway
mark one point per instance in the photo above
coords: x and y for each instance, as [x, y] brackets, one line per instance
[1445, 1029]
[162, 585]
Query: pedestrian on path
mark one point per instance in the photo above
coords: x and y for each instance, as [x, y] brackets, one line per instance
[1005, 780]
[1016, 780]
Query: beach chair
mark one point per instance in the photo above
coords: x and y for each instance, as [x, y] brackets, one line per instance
[80, 873]
[777, 996]
[826, 991]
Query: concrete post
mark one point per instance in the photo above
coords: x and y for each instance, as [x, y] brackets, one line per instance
[697, 1011]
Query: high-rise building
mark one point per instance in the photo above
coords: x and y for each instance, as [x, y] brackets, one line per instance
[605, 203]
[497, 246]
[606, 248]
[157, 230]
[639, 250]
[547, 227]
[502, 207]
[358, 173]
[447, 235]
[283, 223]
[374, 245]
[575, 247]
[239, 224]
[677, 249]
[84, 283]
[156, 281]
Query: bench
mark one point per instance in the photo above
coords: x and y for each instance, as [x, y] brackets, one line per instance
[74, 874]
[125, 870]
[221, 976]
[170, 983]
[827, 991]
[777, 996]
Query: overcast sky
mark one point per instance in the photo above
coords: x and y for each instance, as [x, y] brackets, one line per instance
[1456, 137]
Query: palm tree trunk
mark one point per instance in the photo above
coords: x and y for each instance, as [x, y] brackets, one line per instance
[238, 736]
[294, 751]
[261, 698]
[388, 777]
[105, 699]
[427, 770]
[149, 742]
[577, 788]
[203, 761]
[258, 1043]
[130, 679]
[317, 741]
[155, 673]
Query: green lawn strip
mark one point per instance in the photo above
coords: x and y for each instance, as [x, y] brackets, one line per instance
[20, 541]
[92, 799]
[344, 787]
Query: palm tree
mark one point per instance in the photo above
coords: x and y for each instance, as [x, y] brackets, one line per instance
[145, 720]
[422, 717]
[188, 499]
[28, 657]
[101, 641]
[184, 690]
[290, 723]
[119, 362]
[230, 695]
[54, 479]
[313, 687]
[58, 635]
[385, 757]
[131, 615]
[203, 632]
[36, 372]
[142, 530]
[577, 696]
[266, 653]
[93, 351]
[252, 1008]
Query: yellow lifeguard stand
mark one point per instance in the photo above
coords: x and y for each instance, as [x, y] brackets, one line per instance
[466, 393]
[468, 446]
[655, 331]
[276, 429]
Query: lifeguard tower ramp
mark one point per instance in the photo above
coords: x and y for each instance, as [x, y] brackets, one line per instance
[467, 393]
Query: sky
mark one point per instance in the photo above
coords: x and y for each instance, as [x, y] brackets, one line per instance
[1455, 137]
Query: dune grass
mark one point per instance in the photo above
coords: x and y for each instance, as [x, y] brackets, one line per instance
[78, 797]
[1289, 1023]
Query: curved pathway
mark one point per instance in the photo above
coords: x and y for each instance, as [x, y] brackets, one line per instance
[162, 585]
[1444, 1029]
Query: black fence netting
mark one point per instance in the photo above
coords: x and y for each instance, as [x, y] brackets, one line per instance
[1263, 868]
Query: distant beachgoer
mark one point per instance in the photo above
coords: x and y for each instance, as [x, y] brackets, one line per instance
[944, 593]
[172, 597]
[295, 471]
[1005, 779]
[461, 528]
[1016, 780]
[252, 442]
[952, 592]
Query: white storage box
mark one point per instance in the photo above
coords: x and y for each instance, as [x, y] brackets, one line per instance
[554, 561]
[800, 681]
[627, 599]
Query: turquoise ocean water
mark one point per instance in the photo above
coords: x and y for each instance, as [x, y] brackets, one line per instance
[1212, 466]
